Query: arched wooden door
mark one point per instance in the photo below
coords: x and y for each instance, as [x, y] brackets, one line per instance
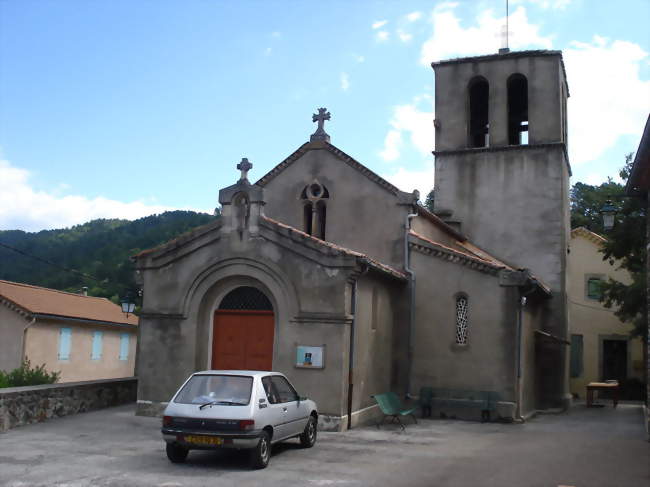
[243, 331]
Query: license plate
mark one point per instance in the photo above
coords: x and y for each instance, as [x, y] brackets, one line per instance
[203, 440]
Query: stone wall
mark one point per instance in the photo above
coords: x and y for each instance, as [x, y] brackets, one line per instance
[33, 404]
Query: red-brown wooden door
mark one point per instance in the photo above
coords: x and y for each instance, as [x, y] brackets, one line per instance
[242, 340]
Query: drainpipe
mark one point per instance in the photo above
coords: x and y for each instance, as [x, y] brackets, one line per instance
[25, 338]
[521, 301]
[353, 311]
[411, 273]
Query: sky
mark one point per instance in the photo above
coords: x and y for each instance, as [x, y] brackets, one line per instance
[125, 108]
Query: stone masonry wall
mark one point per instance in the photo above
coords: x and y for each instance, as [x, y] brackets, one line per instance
[33, 404]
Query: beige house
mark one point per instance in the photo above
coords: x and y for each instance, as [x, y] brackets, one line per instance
[601, 345]
[83, 337]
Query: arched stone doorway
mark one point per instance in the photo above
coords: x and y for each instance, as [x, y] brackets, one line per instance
[243, 331]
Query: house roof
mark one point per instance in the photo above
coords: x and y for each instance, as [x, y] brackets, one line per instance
[303, 149]
[639, 179]
[50, 302]
[588, 234]
[372, 263]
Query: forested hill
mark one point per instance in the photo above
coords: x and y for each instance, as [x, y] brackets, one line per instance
[100, 248]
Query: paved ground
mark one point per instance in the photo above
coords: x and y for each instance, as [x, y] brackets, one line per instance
[582, 448]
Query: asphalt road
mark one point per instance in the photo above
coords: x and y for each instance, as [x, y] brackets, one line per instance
[581, 448]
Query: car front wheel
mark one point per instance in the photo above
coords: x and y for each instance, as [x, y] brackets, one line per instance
[176, 453]
[261, 454]
[308, 437]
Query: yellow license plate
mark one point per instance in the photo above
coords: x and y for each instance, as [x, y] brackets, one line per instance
[203, 440]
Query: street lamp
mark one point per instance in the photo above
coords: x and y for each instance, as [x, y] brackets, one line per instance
[609, 212]
[127, 304]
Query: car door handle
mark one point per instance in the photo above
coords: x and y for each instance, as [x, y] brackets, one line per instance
[284, 410]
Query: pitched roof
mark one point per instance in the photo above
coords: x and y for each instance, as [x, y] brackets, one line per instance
[588, 234]
[323, 244]
[44, 301]
[463, 252]
[303, 149]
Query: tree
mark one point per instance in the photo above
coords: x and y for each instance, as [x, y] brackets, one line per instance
[626, 243]
[428, 203]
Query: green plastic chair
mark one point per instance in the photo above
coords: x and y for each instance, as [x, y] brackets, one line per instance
[392, 408]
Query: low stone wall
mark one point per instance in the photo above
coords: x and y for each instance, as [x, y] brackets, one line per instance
[33, 404]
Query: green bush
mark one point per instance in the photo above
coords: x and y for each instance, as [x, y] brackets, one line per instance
[26, 375]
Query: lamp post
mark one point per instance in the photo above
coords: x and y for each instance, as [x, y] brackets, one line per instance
[127, 304]
[609, 213]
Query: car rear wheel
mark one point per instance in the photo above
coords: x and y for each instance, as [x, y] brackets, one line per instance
[176, 453]
[308, 437]
[261, 454]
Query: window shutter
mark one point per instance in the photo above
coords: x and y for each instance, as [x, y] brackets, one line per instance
[576, 355]
[97, 345]
[124, 346]
[65, 339]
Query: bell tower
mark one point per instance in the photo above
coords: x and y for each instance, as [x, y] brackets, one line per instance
[502, 175]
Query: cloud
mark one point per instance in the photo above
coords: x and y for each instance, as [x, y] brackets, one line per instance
[408, 180]
[358, 58]
[450, 39]
[276, 34]
[404, 36]
[383, 35]
[413, 122]
[24, 208]
[379, 24]
[413, 16]
[267, 51]
[608, 97]
[392, 145]
[345, 82]
[546, 4]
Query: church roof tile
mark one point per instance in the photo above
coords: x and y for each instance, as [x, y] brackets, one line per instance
[375, 264]
[333, 150]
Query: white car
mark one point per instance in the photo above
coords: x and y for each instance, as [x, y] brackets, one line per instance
[241, 409]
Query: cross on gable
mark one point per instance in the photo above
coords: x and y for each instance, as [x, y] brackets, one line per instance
[320, 117]
[244, 166]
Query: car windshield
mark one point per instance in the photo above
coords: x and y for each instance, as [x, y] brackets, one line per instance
[228, 390]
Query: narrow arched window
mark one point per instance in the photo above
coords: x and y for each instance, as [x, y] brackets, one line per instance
[479, 93]
[314, 199]
[461, 319]
[517, 110]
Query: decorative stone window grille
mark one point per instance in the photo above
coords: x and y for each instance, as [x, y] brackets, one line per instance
[461, 320]
[314, 199]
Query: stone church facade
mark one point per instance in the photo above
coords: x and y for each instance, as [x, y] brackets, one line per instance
[330, 274]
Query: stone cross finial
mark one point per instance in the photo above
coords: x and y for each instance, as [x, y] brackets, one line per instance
[244, 166]
[320, 133]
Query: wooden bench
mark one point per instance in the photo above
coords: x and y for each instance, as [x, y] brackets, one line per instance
[484, 401]
[392, 407]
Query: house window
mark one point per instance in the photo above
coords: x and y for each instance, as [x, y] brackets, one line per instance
[96, 353]
[461, 320]
[517, 110]
[576, 355]
[124, 346]
[594, 288]
[314, 198]
[479, 92]
[65, 339]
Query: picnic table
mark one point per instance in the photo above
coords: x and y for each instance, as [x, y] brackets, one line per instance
[602, 386]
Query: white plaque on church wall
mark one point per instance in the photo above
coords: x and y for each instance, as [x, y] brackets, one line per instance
[310, 357]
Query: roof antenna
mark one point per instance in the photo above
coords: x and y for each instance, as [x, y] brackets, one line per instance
[504, 34]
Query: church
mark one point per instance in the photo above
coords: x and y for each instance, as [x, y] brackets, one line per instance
[328, 273]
